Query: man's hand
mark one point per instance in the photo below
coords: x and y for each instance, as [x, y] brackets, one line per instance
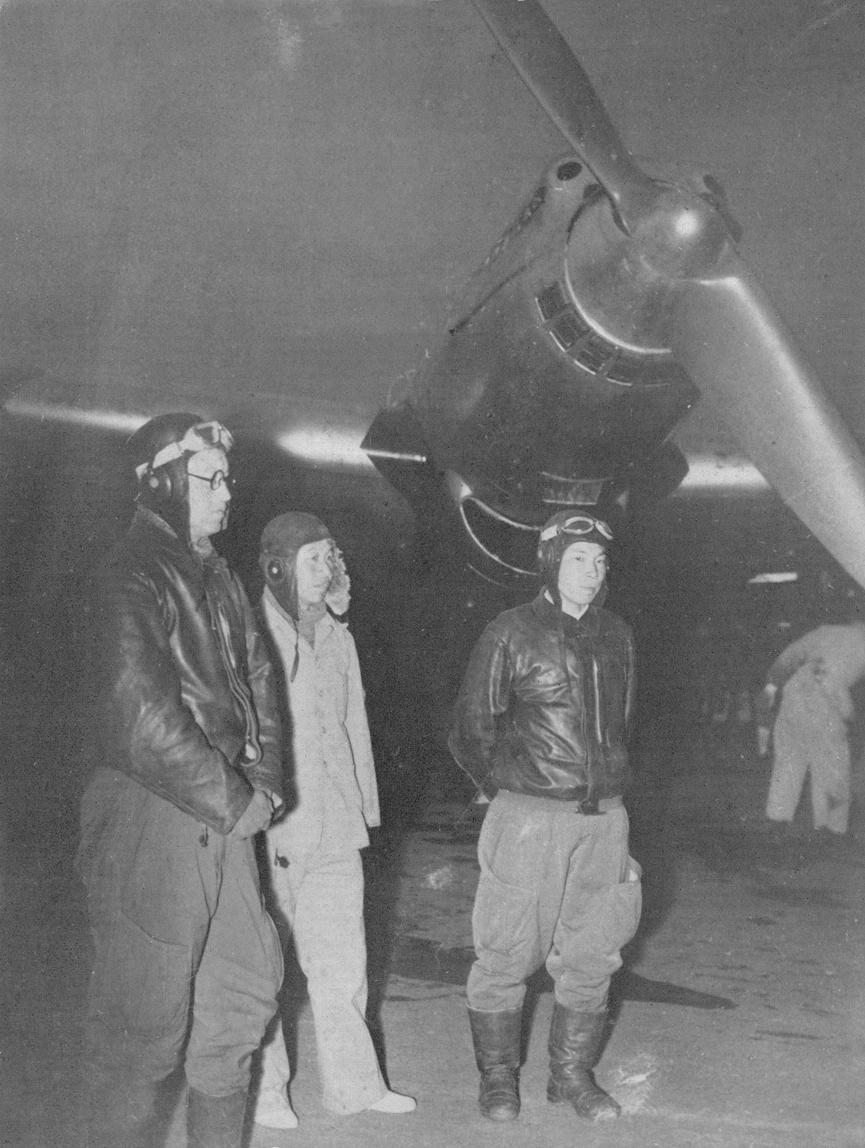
[255, 817]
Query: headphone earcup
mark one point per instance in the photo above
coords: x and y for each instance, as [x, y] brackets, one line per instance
[274, 570]
[159, 483]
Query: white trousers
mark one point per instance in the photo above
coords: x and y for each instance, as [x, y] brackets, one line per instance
[322, 902]
[810, 738]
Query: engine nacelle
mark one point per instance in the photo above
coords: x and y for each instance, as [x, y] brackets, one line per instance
[528, 406]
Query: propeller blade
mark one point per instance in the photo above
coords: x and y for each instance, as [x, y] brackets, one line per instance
[727, 336]
[556, 78]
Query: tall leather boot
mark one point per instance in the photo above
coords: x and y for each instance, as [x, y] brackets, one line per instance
[575, 1045]
[215, 1121]
[496, 1037]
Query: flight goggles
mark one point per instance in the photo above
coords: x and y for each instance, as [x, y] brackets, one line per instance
[202, 436]
[578, 526]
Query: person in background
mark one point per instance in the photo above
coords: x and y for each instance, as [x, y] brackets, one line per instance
[187, 962]
[314, 853]
[540, 725]
[813, 678]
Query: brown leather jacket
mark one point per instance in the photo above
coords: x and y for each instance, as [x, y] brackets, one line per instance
[545, 704]
[187, 706]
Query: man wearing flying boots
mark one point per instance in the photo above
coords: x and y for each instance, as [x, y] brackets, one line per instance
[540, 726]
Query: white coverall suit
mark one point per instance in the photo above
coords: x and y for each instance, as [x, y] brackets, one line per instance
[316, 876]
[816, 674]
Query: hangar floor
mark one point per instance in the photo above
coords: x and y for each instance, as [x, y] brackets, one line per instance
[739, 1014]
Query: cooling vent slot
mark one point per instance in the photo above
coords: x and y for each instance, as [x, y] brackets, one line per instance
[592, 351]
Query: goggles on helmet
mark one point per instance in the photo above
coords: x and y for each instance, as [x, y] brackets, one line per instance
[579, 525]
[202, 436]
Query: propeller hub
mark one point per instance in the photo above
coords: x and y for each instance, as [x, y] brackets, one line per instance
[681, 235]
[621, 283]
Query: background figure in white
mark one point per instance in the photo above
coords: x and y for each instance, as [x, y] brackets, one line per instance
[316, 876]
[814, 676]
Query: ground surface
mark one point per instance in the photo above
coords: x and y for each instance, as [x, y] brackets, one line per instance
[739, 1017]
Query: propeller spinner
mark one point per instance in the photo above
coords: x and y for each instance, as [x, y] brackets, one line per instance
[577, 347]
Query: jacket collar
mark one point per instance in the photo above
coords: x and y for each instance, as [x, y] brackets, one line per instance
[146, 520]
[550, 614]
[154, 536]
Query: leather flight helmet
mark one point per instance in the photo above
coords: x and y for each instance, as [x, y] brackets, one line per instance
[159, 452]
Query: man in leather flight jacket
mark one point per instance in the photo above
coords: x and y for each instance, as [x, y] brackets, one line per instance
[540, 725]
[187, 963]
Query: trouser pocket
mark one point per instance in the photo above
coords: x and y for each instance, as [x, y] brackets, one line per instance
[623, 907]
[590, 934]
[141, 984]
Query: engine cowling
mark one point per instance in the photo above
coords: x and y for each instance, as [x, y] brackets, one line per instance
[528, 407]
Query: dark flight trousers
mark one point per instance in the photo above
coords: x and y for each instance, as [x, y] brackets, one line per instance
[556, 887]
[187, 963]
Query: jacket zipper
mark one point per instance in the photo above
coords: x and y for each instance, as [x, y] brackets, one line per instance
[221, 626]
[597, 685]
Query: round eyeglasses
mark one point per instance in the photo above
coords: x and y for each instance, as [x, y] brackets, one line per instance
[215, 481]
